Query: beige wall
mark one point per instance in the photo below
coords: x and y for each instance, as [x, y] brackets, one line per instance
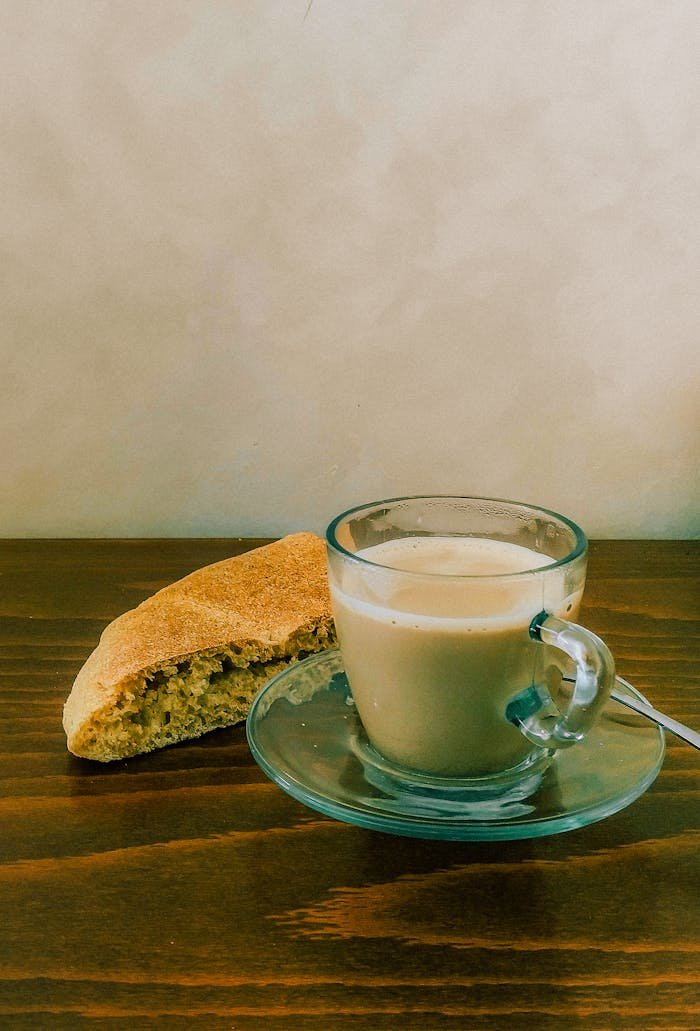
[258, 266]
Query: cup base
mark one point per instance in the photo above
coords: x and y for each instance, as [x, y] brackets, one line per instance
[514, 784]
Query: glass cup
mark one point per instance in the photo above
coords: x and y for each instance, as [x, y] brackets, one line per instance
[450, 613]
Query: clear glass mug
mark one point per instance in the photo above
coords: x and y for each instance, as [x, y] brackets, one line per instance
[449, 611]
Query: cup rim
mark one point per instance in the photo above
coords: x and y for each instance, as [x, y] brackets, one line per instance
[580, 547]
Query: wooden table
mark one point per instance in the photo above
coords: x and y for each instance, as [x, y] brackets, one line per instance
[185, 890]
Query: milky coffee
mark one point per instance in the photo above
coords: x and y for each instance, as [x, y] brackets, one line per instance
[432, 660]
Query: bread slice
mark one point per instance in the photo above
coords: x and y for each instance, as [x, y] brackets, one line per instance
[193, 656]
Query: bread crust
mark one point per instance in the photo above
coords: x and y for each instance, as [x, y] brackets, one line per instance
[260, 606]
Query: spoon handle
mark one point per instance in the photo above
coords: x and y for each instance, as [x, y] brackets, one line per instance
[679, 729]
[632, 702]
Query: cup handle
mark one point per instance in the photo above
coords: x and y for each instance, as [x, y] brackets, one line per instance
[534, 713]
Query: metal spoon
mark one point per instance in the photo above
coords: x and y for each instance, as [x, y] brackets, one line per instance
[632, 702]
[679, 729]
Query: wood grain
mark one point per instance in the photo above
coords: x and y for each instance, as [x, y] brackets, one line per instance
[184, 890]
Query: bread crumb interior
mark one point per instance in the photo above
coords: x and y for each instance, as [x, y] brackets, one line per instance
[187, 698]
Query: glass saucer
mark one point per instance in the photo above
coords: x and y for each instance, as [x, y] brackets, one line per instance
[305, 734]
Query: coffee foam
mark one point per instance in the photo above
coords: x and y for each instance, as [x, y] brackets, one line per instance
[455, 556]
[474, 585]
